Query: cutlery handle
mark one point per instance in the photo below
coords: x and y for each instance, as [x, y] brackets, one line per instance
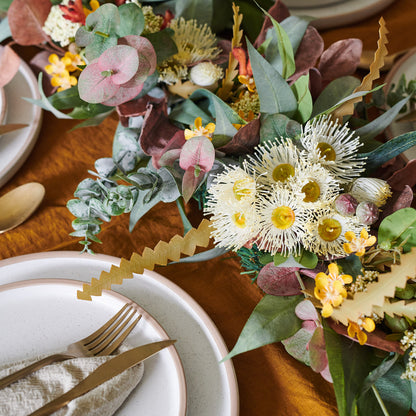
[11, 378]
[56, 404]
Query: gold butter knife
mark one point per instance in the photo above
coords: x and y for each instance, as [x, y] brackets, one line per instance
[104, 372]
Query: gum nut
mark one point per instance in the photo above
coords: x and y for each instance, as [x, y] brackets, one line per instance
[367, 213]
[346, 204]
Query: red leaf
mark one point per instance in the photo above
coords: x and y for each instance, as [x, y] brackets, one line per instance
[308, 53]
[136, 108]
[317, 351]
[377, 338]
[279, 12]
[245, 140]
[340, 59]
[9, 65]
[278, 281]
[157, 132]
[404, 176]
[26, 19]
[73, 12]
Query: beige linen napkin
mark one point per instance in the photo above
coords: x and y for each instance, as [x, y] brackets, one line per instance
[27, 395]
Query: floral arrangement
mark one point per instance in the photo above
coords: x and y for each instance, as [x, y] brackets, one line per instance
[280, 145]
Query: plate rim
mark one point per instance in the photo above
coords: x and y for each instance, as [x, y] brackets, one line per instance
[77, 284]
[341, 18]
[192, 303]
[32, 132]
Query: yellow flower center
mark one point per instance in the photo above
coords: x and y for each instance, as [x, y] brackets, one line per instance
[241, 188]
[329, 229]
[326, 151]
[283, 217]
[312, 191]
[283, 172]
[239, 219]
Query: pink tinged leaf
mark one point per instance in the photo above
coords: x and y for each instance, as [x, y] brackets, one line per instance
[306, 311]
[157, 131]
[121, 61]
[317, 351]
[123, 95]
[190, 182]
[197, 152]
[169, 157]
[404, 176]
[93, 86]
[278, 281]
[326, 374]
[308, 53]
[140, 76]
[9, 65]
[405, 199]
[309, 326]
[143, 47]
[340, 59]
[245, 140]
[315, 83]
[26, 19]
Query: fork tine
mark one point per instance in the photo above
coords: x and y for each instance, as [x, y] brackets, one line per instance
[102, 329]
[113, 343]
[123, 320]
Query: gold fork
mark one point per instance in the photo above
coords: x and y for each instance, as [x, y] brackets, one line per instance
[104, 341]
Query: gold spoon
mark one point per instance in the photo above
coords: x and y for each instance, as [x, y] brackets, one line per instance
[19, 204]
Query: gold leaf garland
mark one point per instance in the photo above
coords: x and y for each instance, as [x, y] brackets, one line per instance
[347, 108]
[231, 72]
[162, 253]
[401, 308]
[363, 303]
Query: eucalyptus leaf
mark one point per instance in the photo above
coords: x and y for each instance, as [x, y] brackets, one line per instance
[44, 102]
[87, 189]
[275, 126]
[5, 32]
[187, 226]
[307, 259]
[275, 94]
[140, 208]
[97, 209]
[303, 97]
[131, 20]
[163, 43]
[200, 10]
[389, 150]
[105, 167]
[78, 208]
[126, 148]
[297, 345]
[394, 391]
[379, 124]
[203, 256]
[93, 121]
[349, 365]
[89, 111]
[338, 89]
[272, 320]
[223, 127]
[350, 265]
[66, 99]
[169, 190]
[398, 227]
[286, 63]
[225, 110]
[187, 111]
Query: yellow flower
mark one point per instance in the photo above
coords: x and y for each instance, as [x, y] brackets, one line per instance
[63, 81]
[57, 66]
[356, 329]
[329, 289]
[248, 82]
[94, 4]
[72, 61]
[199, 130]
[358, 245]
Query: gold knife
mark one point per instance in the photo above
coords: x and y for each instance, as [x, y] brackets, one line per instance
[104, 372]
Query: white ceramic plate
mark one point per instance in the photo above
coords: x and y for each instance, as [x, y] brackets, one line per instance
[43, 316]
[16, 146]
[407, 66]
[211, 386]
[341, 14]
